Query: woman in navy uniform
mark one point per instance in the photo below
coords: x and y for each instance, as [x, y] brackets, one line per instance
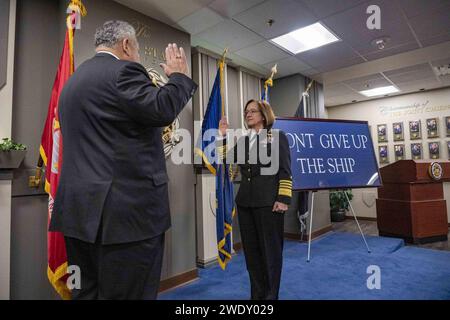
[263, 197]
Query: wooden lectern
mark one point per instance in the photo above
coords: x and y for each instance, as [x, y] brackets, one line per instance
[411, 202]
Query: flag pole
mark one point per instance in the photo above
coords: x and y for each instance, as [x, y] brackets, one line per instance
[222, 81]
[77, 7]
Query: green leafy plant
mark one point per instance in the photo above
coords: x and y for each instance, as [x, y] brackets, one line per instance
[338, 200]
[8, 145]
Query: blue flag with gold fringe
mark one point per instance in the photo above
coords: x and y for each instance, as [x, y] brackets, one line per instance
[206, 148]
[266, 90]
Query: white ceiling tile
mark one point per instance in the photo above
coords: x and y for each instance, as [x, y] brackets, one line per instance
[440, 62]
[419, 7]
[229, 8]
[355, 33]
[230, 34]
[389, 51]
[168, 11]
[336, 89]
[431, 25]
[262, 53]
[288, 66]
[325, 8]
[326, 67]
[237, 60]
[336, 54]
[416, 85]
[413, 73]
[367, 82]
[310, 72]
[200, 20]
[355, 18]
[435, 40]
[288, 15]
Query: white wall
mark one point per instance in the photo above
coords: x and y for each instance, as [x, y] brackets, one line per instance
[6, 95]
[417, 106]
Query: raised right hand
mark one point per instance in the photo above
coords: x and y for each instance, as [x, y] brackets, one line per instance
[175, 61]
[223, 126]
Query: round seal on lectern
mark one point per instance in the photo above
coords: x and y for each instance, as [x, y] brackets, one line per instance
[435, 171]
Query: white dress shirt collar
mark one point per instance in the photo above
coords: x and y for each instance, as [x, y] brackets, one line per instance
[110, 53]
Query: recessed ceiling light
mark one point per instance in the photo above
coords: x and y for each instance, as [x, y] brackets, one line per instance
[379, 91]
[306, 38]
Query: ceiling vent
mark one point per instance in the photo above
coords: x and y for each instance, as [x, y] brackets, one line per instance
[441, 71]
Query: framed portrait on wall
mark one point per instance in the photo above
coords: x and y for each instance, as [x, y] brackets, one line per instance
[382, 132]
[416, 151]
[397, 128]
[383, 153]
[447, 125]
[433, 149]
[399, 150]
[415, 130]
[433, 127]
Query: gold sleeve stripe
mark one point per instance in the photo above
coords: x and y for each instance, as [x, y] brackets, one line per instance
[285, 192]
[284, 184]
[221, 151]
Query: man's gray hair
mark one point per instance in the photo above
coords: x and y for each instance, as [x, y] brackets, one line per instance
[112, 32]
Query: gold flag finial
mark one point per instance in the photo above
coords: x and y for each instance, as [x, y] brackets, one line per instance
[224, 55]
[274, 71]
[77, 5]
[269, 82]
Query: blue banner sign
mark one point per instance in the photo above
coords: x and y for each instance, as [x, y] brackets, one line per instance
[330, 154]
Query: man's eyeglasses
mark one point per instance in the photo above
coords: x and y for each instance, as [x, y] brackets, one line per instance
[251, 112]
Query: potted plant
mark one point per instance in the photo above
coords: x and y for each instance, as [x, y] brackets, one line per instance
[11, 154]
[339, 204]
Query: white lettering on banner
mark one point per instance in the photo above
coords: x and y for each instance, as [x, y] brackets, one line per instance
[327, 141]
[334, 141]
[333, 165]
[302, 140]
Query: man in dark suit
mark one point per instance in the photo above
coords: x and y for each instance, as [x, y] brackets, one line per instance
[112, 202]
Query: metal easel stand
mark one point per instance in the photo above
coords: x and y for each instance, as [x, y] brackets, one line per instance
[311, 220]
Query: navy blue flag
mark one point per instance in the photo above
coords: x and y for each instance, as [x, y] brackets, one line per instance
[206, 148]
[266, 90]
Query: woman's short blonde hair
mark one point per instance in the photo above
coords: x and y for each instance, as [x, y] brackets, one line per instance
[266, 111]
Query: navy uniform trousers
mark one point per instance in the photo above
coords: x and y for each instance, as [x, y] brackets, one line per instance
[128, 271]
[262, 241]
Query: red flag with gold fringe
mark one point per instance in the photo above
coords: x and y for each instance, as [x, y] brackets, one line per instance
[51, 151]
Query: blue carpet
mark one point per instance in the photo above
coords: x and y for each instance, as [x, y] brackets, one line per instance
[337, 270]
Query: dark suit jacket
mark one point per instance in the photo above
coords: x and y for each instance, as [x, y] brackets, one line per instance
[257, 188]
[114, 173]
